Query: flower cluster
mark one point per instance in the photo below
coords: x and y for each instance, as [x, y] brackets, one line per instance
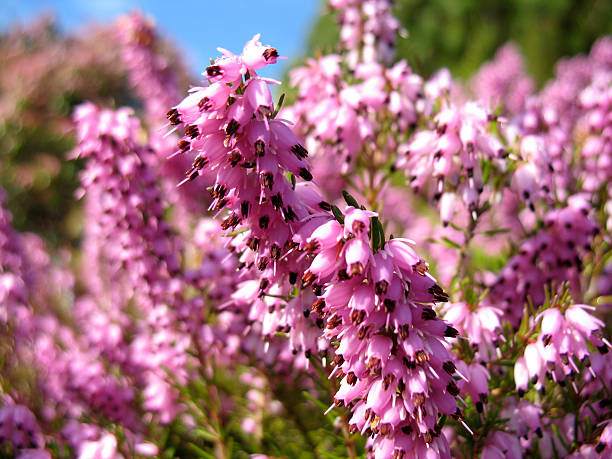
[166, 330]
[131, 235]
[548, 259]
[563, 342]
[451, 155]
[14, 292]
[340, 120]
[396, 373]
[230, 128]
[503, 82]
[367, 30]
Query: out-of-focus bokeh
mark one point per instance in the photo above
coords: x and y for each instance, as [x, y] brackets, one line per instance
[54, 55]
[461, 35]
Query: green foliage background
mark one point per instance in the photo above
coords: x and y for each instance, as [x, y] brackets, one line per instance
[462, 34]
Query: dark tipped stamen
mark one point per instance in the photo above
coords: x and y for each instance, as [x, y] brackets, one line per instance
[174, 117]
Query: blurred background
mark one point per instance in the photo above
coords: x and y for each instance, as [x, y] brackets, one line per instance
[56, 54]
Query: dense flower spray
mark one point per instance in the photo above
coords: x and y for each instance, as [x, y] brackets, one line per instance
[180, 337]
[130, 233]
[367, 30]
[154, 76]
[396, 371]
[230, 126]
[14, 292]
[503, 81]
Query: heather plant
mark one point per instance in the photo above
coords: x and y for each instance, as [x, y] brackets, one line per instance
[391, 266]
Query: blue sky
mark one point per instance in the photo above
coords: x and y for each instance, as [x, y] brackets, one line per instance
[197, 27]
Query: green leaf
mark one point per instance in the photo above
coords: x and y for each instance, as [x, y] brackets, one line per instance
[522, 331]
[338, 214]
[235, 233]
[382, 233]
[279, 105]
[317, 402]
[201, 452]
[350, 200]
[486, 171]
[450, 243]
[328, 454]
[375, 233]
[206, 435]
[495, 231]
[292, 180]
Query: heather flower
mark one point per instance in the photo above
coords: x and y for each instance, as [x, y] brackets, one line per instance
[501, 445]
[15, 310]
[237, 142]
[154, 76]
[549, 258]
[481, 324]
[449, 157]
[127, 232]
[104, 448]
[502, 82]
[475, 384]
[393, 365]
[564, 341]
[339, 120]
[19, 428]
[367, 30]
[605, 440]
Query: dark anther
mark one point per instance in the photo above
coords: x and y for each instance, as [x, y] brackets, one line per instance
[234, 158]
[326, 206]
[389, 305]
[421, 267]
[305, 174]
[275, 252]
[451, 332]
[449, 367]
[381, 287]
[213, 70]
[230, 222]
[438, 294]
[253, 244]
[421, 357]
[264, 284]
[232, 127]
[204, 104]
[264, 221]
[244, 208]
[174, 117]
[356, 269]
[289, 214]
[192, 131]
[318, 306]
[267, 180]
[277, 201]
[183, 145]
[334, 321]
[308, 278]
[299, 151]
[428, 314]
[269, 53]
[452, 388]
[260, 148]
[263, 263]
